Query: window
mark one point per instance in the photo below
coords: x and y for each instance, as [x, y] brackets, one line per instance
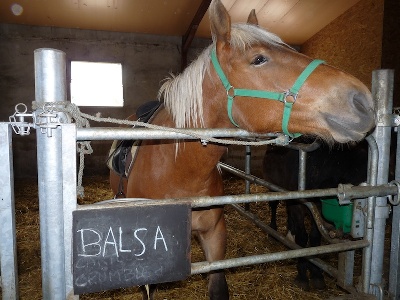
[96, 84]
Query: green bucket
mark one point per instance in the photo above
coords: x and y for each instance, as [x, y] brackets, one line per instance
[340, 215]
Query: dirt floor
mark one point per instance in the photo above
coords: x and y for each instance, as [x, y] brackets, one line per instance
[266, 281]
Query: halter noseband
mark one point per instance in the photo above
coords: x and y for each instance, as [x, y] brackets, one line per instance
[231, 92]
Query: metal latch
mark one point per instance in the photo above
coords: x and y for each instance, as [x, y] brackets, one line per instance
[18, 122]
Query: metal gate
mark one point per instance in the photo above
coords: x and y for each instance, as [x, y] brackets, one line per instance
[57, 173]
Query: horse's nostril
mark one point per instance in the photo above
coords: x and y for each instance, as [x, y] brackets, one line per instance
[360, 102]
[362, 106]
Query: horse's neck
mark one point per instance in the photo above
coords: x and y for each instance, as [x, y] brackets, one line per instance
[192, 152]
[169, 169]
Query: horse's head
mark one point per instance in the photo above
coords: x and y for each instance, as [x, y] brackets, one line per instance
[258, 67]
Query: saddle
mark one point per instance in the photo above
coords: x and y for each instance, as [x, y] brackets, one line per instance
[122, 153]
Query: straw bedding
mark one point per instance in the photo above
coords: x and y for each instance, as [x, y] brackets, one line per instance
[266, 281]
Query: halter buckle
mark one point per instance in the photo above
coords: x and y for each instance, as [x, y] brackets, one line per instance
[289, 93]
[230, 91]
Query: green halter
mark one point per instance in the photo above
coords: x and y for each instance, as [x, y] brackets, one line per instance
[231, 92]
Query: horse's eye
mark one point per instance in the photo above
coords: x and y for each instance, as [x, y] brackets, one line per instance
[259, 60]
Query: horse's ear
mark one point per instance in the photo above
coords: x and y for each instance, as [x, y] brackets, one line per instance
[220, 22]
[252, 19]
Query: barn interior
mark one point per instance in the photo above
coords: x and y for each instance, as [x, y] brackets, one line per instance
[152, 39]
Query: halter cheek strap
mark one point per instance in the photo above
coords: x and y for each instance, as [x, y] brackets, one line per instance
[231, 92]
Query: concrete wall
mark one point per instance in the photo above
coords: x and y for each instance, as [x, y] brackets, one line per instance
[146, 61]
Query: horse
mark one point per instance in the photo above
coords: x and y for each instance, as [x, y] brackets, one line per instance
[247, 78]
[326, 167]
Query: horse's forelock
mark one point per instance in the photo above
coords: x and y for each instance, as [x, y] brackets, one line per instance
[244, 35]
[183, 95]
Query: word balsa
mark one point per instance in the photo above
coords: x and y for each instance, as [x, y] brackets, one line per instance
[118, 240]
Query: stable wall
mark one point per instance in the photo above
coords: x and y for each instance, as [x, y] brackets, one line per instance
[146, 61]
[391, 45]
[353, 41]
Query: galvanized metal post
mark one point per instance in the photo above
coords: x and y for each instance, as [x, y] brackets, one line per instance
[369, 222]
[302, 170]
[345, 269]
[69, 172]
[247, 169]
[394, 273]
[8, 244]
[382, 91]
[50, 86]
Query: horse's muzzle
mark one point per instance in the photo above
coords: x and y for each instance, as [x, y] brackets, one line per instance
[355, 122]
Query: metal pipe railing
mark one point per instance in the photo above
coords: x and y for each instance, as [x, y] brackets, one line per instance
[382, 92]
[205, 267]
[350, 193]
[207, 201]
[394, 273]
[285, 241]
[118, 133]
[50, 72]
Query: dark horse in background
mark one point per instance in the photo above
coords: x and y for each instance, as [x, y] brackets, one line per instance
[330, 104]
[326, 167]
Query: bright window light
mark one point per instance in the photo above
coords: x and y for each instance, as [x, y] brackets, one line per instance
[96, 84]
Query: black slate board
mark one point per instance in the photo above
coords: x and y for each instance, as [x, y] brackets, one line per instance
[118, 247]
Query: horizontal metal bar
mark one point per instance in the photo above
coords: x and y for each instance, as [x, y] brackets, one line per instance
[205, 267]
[352, 192]
[206, 201]
[251, 178]
[107, 133]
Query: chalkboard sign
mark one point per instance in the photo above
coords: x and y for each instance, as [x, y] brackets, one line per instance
[118, 247]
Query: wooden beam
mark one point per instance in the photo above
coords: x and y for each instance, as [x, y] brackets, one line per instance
[191, 31]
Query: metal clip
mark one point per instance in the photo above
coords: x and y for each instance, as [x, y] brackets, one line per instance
[47, 124]
[289, 93]
[394, 200]
[49, 116]
[343, 189]
[17, 120]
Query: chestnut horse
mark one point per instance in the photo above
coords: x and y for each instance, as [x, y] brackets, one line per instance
[275, 83]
